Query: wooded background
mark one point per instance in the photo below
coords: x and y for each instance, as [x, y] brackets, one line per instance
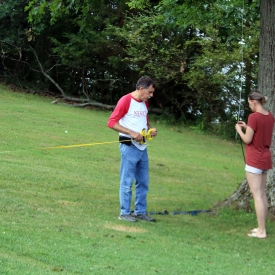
[203, 54]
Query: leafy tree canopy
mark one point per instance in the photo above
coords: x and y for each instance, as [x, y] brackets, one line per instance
[197, 51]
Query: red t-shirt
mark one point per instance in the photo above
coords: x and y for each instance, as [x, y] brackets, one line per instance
[257, 151]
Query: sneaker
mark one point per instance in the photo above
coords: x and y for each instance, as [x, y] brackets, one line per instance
[144, 217]
[128, 218]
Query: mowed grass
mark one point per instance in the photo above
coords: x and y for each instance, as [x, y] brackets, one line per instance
[59, 207]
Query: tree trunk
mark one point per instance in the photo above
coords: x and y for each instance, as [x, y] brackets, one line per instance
[266, 84]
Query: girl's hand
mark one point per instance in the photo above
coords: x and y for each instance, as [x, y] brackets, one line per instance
[241, 124]
[238, 127]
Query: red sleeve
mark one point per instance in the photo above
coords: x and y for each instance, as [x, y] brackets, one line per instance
[252, 122]
[120, 110]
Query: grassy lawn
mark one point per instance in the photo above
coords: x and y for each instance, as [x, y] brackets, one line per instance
[59, 208]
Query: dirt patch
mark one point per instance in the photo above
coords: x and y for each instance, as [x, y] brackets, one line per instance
[63, 202]
[126, 228]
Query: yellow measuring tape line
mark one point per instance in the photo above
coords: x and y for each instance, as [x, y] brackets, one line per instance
[62, 146]
[143, 133]
[77, 145]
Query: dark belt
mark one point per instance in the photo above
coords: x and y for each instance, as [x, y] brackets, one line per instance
[125, 140]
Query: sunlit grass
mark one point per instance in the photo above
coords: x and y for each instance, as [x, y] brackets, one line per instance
[59, 207]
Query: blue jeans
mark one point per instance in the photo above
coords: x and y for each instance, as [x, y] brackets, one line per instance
[134, 166]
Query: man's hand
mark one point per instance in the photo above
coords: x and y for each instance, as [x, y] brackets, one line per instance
[136, 136]
[153, 132]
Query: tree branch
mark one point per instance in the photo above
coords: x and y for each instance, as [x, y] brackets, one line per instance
[45, 73]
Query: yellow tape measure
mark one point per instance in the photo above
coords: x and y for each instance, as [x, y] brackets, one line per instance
[146, 135]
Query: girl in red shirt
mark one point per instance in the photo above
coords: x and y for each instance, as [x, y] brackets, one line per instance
[258, 137]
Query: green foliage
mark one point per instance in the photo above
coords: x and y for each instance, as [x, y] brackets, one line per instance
[219, 50]
[197, 51]
[56, 8]
[152, 48]
[138, 4]
[90, 53]
[13, 22]
[13, 41]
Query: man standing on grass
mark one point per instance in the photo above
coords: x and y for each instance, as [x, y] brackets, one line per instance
[129, 118]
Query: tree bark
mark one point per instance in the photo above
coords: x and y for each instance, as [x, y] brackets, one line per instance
[240, 199]
[266, 84]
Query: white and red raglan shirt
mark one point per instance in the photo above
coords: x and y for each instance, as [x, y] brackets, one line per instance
[132, 114]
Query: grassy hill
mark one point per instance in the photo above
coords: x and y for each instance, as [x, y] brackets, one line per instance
[59, 207]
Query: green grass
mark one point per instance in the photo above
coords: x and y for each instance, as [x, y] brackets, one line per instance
[59, 207]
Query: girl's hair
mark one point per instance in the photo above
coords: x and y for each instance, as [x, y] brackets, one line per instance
[257, 95]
